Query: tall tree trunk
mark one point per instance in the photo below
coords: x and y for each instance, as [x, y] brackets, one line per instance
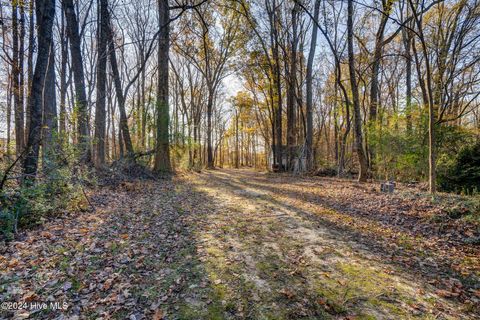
[63, 79]
[50, 125]
[277, 103]
[9, 111]
[143, 108]
[237, 150]
[431, 103]
[100, 112]
[374, 83]
[407, 41]
[31, 46]
[309, 80]
[45, 16]
[362, 159]
[21, 76]
[195, 141]
[377, 57]
[209, 128]
[121, 153]
[162, 149]
[112, 119]
[123, 126]
[107, 130]
[291, 93]
[17, 105]
[144, 114]
[79, 79]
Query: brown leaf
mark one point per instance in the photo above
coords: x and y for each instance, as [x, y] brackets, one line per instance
[13, 263]
[446, 294]
[158, 315]
[108, 284]
[289, 294]
[29, 296]
[46, 234]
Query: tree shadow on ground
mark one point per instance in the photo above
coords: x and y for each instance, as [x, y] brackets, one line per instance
[421, 262]
[176, 249]
[155, 248]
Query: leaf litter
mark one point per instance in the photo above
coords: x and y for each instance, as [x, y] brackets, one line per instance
[237, 244]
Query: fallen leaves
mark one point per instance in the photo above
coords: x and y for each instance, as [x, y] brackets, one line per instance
[135, 258]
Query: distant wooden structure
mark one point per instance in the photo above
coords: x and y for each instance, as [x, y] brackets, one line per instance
[298, 161]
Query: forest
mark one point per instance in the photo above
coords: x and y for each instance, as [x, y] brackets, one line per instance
[239, 159]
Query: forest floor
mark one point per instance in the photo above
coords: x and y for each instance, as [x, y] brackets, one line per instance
[240, 244]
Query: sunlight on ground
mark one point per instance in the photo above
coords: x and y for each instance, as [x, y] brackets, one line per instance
[260, 248]
[229, 244]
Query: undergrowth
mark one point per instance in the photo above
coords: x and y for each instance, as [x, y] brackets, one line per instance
[25, 205]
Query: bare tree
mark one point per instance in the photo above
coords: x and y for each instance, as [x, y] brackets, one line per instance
[100, 112]
[162, 149]
[362, 159]
[309, 79]
[79, 79]
[45, 10]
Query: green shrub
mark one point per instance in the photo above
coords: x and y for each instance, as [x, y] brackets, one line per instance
[461, 173]
[24, 206]
[399, 154]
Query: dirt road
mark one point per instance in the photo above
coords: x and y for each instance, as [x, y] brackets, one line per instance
[239, 244]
